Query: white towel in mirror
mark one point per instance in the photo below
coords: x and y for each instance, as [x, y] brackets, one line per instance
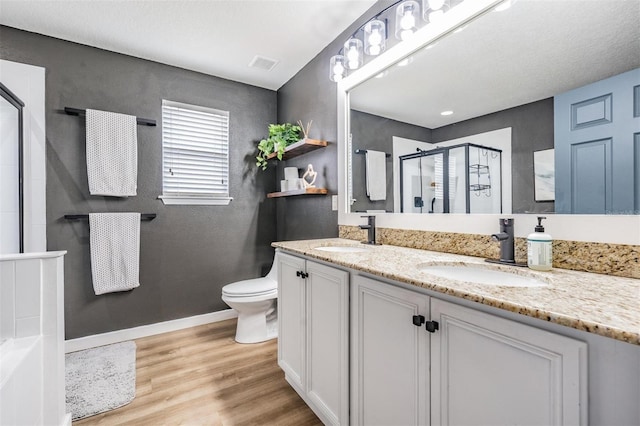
[376, 175]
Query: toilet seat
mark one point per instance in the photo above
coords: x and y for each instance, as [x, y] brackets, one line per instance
[251, 288]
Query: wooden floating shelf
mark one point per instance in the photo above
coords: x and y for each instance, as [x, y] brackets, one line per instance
[301, 147]
[307, 191]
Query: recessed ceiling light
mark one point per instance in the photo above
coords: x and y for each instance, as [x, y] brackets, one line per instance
[446, 113]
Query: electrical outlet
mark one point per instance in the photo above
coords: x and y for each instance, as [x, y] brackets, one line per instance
[334, 203]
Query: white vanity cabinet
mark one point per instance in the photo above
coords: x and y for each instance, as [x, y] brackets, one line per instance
[313, 334]
[389, 355]
[475, 368]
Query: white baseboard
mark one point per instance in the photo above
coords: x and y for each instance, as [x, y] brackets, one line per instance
[87, 342]
[66, 421]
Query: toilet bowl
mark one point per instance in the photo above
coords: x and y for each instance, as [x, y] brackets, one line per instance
[255, 301]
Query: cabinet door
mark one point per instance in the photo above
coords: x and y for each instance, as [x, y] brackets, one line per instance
[327, 317]
[389, 355]
[487, 370]
[291, 325]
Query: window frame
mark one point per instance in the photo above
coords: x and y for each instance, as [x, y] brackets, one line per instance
[213, 198]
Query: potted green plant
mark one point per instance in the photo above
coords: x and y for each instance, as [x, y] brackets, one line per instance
[280, 136]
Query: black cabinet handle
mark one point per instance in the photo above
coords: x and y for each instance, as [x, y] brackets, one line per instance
[302, 274]
[432, 326]
[418, 320]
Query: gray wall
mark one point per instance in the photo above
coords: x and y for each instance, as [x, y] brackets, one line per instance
[189, 252]
[532, 130]
[374, 132]
[310, 95]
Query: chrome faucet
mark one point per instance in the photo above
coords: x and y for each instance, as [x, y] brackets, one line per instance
[371, 230]
[505, 236]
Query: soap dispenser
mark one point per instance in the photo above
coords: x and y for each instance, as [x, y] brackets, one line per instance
[539, 248]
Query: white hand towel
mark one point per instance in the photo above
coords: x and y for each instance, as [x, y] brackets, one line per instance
[376, 171]
[112, 153]
[115, 251]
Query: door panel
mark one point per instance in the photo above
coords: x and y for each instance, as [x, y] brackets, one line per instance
[583, 119]
[327, 378]
[488, 370]
[389, 363]
[291, 325]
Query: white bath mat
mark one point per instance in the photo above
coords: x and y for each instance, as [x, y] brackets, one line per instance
[100, 379]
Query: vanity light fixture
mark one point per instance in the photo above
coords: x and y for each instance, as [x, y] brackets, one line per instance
[375, 36]
[434, 10]
[353, 53]
[371, 38]
[407, 14]
[337, 69]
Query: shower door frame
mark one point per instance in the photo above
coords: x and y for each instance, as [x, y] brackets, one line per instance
[14, 100]
[445, 172]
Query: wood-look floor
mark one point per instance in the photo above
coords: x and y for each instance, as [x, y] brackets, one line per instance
[201, 376]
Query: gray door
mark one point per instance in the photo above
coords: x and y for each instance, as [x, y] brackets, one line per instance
[597, 145]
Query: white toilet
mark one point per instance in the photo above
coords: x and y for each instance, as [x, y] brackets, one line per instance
[255, 300]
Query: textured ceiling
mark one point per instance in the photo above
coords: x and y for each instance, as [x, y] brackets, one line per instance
[215, 37]
[532, 51]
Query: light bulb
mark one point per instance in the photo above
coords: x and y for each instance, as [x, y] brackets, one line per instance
[352, 54]
[336, 68]
[408, 21]
[375, 38]
[435, 4]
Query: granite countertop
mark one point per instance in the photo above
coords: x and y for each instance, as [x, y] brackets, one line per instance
[600, 304]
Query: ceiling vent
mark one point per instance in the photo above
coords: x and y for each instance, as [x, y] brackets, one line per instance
[263, 63]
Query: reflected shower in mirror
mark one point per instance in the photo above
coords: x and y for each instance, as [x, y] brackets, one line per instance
[508, 70]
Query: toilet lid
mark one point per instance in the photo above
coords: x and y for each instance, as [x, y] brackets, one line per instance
[254, 287]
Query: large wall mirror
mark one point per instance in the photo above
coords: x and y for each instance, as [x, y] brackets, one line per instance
[499, 77]
[501, 74]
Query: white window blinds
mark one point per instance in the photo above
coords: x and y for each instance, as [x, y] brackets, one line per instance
[195, 154]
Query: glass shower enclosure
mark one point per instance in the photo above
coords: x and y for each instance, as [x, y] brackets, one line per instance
[465, 178]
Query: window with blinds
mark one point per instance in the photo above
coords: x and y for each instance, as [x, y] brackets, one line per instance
[195, 154]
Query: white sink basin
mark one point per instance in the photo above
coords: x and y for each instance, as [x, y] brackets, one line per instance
[343, 249]
[481, 275]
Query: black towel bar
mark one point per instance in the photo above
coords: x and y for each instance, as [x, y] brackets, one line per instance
[143, 216]
[364, 151]
[83, 112]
